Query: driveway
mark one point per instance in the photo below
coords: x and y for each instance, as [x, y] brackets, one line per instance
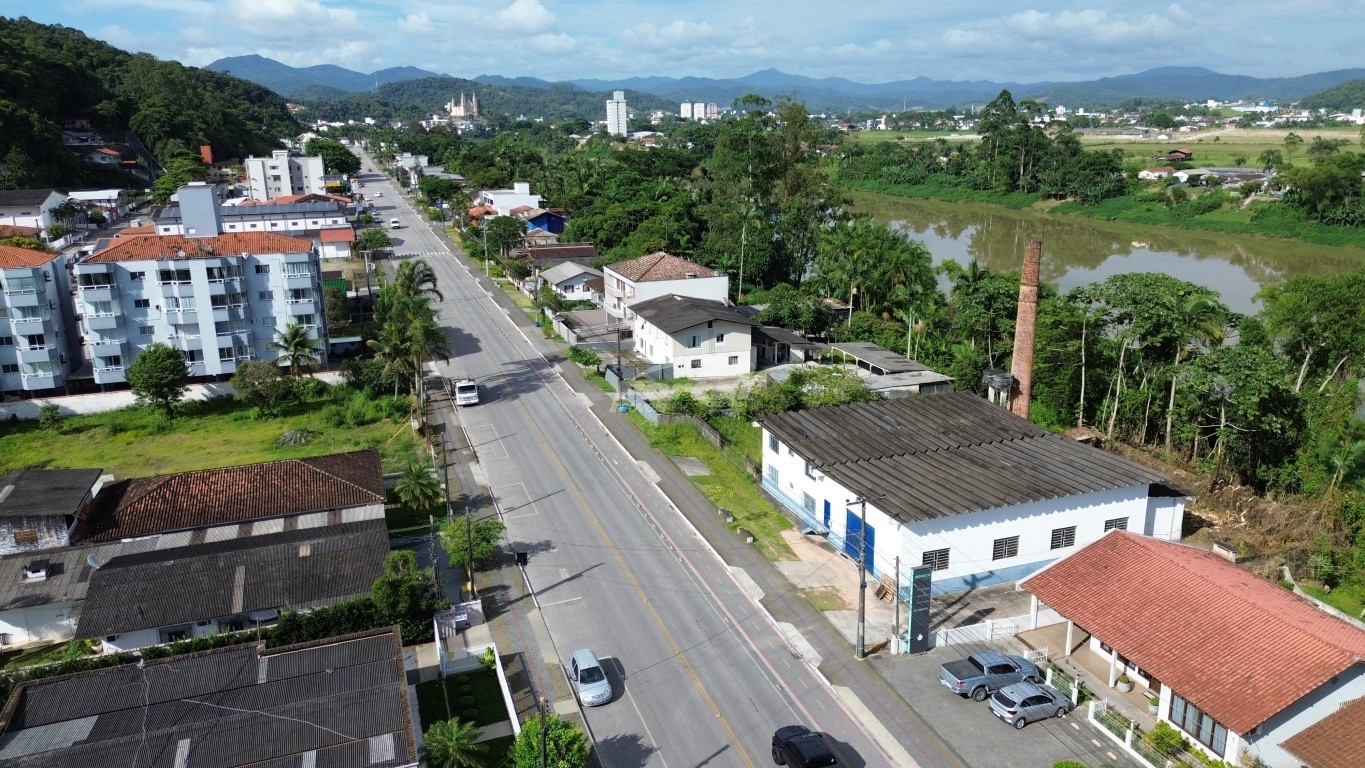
[979, 737]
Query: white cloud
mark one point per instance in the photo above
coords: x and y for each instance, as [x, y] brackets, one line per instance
[552, 44]
[677, 36]
[523, 17]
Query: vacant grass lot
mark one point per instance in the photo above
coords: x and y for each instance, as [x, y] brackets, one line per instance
[135, 442]
[728, 486]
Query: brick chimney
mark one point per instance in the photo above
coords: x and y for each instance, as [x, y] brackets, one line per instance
[1025, 329]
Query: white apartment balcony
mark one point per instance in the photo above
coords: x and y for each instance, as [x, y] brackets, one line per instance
[99, 293]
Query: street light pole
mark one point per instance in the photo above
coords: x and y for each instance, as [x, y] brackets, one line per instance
[858, 646]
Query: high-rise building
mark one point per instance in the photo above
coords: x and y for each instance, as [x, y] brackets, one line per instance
[698, 110]
[284, 174]
[38, 343]
[616, 114]
[685, 111]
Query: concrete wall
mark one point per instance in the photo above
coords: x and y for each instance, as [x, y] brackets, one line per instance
[40, 623]
[969, 537]
[103, 402]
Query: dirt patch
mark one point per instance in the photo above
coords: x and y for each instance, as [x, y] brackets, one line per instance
[826, 599]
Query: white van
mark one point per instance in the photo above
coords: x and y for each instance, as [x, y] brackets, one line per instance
[395, 224]
[466, 392]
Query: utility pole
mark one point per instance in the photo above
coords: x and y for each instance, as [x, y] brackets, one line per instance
[858, 646]
[896, 601]
[543, 728]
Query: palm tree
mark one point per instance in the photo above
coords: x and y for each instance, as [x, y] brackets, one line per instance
[392, 350]
[450, 744]
[417, 487]
[297, 348]
[1196, 317]
[1345, 460]
[416, 278]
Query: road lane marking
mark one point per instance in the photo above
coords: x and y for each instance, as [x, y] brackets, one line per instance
[560, 602]
[485, 442]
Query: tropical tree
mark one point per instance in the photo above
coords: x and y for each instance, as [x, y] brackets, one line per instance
[372, 240]
[1345, 461]
[417, 486]
[566, 746]
[159, 376]
[1292, 143]
[297, 349]
[407, 595]
[416, 278]
[259, 384]
[484, 534]
[1198, 318]
[1270, 160]
[453, 744]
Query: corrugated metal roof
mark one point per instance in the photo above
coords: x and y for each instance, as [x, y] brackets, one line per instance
[45, 491]
[878, 359]
[301, 569]
[345, 698]
[934, 456]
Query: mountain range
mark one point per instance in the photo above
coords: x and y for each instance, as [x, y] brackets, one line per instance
[828, 94]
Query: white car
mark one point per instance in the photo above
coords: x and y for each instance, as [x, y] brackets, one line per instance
[395, 224]
[589, 679]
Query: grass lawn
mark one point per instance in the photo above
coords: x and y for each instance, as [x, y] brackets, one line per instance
[599, 381]
[826, 599]
[400, 517]
[135, 442]
[742, 434]
[27, 657]
[443, 699]
[1347, 598]
[728, 486]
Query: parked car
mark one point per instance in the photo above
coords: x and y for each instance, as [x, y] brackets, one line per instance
[981, 674]
[800, 747]
[1023, 703]
[589, 679]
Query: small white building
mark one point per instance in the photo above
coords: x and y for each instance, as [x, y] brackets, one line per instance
[1242, 665]
[956, 484]
[284, 173]
[29, 207]
[504, 200]
[113, 203]
[572, 281]
[699, 338]
[654, 275]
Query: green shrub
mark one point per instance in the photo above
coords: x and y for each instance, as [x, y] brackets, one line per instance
[1166, 740]
[50, 417]
[470, 715]
[333, 416]
[1069, 764]
[161, 424]
[682, 402]
[584, 357]
[466, 701]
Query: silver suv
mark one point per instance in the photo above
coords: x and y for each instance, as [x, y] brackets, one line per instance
[589, 679]
[1023, 703]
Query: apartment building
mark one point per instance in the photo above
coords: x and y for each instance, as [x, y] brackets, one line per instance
[284, 173]
[617, 114]
[37, 343]
[219, 297]
[302, 218]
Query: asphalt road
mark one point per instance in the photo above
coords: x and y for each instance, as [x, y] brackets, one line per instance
[702, 676]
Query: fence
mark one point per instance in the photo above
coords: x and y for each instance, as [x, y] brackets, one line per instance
[643, 405]
[103, 402]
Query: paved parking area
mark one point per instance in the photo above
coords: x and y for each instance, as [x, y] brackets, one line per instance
[979, 737]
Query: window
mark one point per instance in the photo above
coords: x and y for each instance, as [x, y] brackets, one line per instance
[262, 269]
[1198, 725]
[219, 274]
[693, 342]
[30, 313]
[720, 338]
[137, 277]
[307, 321]
[1120, 523]
[696, 362]
[299, 295]
[180, 303]
[36, 341]
[96, 280]
[1006, 547]
[773, 445]
[936, 560]
[145, 330]
[9, 368]
[734, 360]
[43, 368]
[141, 303]
[1064, 537]
[109, 362]
[101, 308]
[6, 341]
[174, 275]
[772, 475]
[193, 355]
[263, 295]
[809, 472]
[808, 502]
[227, 300]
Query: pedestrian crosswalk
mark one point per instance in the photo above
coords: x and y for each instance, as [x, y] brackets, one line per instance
[416, 254]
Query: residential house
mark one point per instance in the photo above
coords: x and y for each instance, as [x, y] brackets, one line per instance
[693, 338]
[234, 502]
[955, 484]
[889, 374]
[338, 701]
[336, 243]
[1193, 175]
[654, 275]
[570, 281]
[30, 207]
[1158, 172]
[545, 256]
[38, 506]
[541, 220]
[39, 341]
[284, 173]
[220, 298]
[102, 156]
[1242, 665]
[113, 203]
[502, 201]
[228, 586]
[1336, 741]
[1180, 155]
[10, 230]
[41, 592]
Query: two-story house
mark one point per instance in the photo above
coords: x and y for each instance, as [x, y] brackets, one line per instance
[698, 338]
[654, 275]
[502, 201]
[30, 207]
[219, 298]
[38, 343]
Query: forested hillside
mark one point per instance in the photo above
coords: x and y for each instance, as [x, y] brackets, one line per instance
[412, 99]
[51, 73]
[1342, 98]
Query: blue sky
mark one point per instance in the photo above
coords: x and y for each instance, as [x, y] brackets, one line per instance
[866, 41]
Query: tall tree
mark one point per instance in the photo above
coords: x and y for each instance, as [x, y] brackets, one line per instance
[418, 487]
[1198, 318]
[297, 349]
[453, 744]
[566, 744]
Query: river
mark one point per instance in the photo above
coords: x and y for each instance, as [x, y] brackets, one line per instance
[1078, 251]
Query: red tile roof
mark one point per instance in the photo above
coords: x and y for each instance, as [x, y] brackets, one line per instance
[520, 209]
[338, 235]
[16, 258]
[223, 496]
[12, 230]
[1233, 644]
[1336, 741]
[170, 246]
[659, 266]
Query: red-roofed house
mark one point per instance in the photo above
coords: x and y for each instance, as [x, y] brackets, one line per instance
[219, 297]
[1337, 741]
[658, 274]
[336, 243]
[1241, 664]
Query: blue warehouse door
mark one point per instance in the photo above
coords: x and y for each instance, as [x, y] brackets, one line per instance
[853, 532]
[826, 514]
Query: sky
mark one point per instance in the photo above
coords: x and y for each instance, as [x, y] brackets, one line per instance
[1028, 41]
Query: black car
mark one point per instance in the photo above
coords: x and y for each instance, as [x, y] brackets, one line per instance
[800, 747]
